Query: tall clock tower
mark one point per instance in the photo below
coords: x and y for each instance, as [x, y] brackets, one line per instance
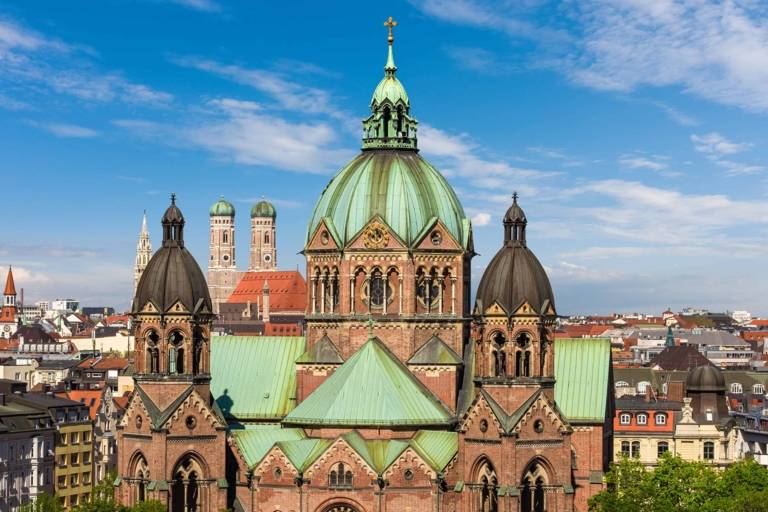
[9, 317]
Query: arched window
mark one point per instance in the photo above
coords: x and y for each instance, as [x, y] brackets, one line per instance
[625, 449]
[642, 419]
[622, 384]
[736, 388]
[758, 389]
[176, 353]
[226, 237]
[487, 482]
[641, 386]
[340, 477]
[141, 478]
[662, 448]
[153, 352]
[523, 356]
[386, 118]
[266, 238]
[660, 418]
[636, 449]
[185, 492]
[534, 482]
[625, 418]
[499, 341]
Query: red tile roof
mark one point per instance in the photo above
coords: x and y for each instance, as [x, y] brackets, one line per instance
[760, 323]
[754, 335]
[582, 331]
[287, 290]
[116, 319]
[110, 363]
[91, 398]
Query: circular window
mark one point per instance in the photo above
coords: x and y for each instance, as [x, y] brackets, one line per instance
[373, 291]
[436, 237]
[267, 258]
[324, 238]
[139, 421]
[408, 474]
[190, 422]
[278, 473]
[538, 426]
[225, 257]
[483, 425]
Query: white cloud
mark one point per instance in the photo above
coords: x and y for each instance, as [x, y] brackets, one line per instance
[477, 59]
[199, 5]
[714, 146]
[25, 275]
[239, 131]
[34, 65]
[641, 162]
[63, 130]
[481, 219]
[566, 271]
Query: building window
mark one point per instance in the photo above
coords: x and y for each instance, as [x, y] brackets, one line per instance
[625, 418]
[625, 448]
[86, 437]
[74, 459]
[641, 387]
[74, 438]
[663, 447]
[622, 384]
[340, 477]
[87, 458]
[61, 482]
[661, 419]
[636, 449]
[642, 419]
[736, 388]
[709, 450]
[73, 479]
[87, 478]
[758, 389]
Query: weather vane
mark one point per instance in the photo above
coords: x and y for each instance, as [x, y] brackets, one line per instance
[390, 23]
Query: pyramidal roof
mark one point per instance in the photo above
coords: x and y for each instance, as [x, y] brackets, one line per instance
[10, 286]
[435, 352]
[324, 351]
[373, 388]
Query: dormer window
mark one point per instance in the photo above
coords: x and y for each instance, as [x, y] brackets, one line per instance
[625, 418]
[642, 419]
[661, 418]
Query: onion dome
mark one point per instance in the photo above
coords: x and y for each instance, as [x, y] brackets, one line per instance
[222, 208]
[172, 274]
[705, 379]
[515, 275]
[263, 209]
[389, 179]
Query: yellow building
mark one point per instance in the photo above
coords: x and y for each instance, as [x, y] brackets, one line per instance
[73, 447]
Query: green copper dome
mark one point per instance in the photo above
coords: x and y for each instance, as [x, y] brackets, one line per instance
[263, 209]
[222, 208]
[400, 186]
[390, 89]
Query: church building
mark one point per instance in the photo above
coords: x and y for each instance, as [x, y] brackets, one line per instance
[402, 395]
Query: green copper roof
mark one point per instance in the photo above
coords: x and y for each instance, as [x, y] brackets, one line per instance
[437, 448]
[304, 452]
[582, 370]
[263, 209]
[372, 388]
[323, 351]
[399, 186]
[379, 454]
[222, 208]
[253, 377]
[390, 89]
[435, 352]
[254, 441]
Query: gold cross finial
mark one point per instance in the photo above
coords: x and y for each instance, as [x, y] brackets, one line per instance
[390, 23]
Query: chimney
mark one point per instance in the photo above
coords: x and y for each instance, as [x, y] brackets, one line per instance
[675, 391]
[648, 393]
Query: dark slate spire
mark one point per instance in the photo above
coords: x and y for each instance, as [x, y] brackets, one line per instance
[514, 224]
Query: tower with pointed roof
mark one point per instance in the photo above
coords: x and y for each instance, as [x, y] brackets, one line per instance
[172, 437]
[222, 266]
[143, 252]
[263, 253]
[9, 317]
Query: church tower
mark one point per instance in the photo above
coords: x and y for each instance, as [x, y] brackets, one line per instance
[9, 318]
[222, 268]
[143, 253]
[263, 243]
[172, 438]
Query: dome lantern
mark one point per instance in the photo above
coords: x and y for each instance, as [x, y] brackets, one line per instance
[515, 224]
[390, 125]
[173, 225]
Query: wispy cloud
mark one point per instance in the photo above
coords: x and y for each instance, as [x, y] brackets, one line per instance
[34, 66]
[477, 59]
[481, 219]
[199, 5]
[715, 147]
[66, 131]
[241, 132]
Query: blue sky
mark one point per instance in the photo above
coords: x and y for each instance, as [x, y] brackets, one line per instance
[633, 131]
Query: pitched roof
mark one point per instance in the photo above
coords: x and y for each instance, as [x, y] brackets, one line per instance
[159, 416]
[582, 373]
[437, 448]
[88, 397]
[379, 454]
[10, 286]
[107, 363]
[435, 352]
[509, 421]
[287, 290]
[303, 452]
[683, 357]
[254, 441]
[373, 388]
[323, 351]
[253, 377]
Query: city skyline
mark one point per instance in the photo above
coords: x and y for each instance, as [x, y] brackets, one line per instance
[644, 184]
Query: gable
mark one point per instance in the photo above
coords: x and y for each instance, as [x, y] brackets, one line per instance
[495, 309]
[538, 407]
[436, 237]
[483, 407]
[322, 352]
[376, 235]
[324, 238]
[435, 352]
[193, 406]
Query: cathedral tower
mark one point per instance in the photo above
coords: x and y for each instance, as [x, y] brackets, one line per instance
[143, 253]
[222, 269]
[9, 318]
[172, 432]
[263, 242]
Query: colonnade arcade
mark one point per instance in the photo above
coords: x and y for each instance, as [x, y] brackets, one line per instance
[383, 290]
[177, 353]
[531, 490]
[518, 356]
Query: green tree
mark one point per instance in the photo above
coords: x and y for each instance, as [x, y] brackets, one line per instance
[148, 506]
[44, 503]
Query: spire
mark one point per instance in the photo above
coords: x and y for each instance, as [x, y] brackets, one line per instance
[670, 341]
[10, 286]
[390, 125]
[144, 228]
[515, 224]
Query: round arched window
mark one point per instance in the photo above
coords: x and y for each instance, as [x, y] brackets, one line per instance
[483, 425]
[538, 426]
[190, 422]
